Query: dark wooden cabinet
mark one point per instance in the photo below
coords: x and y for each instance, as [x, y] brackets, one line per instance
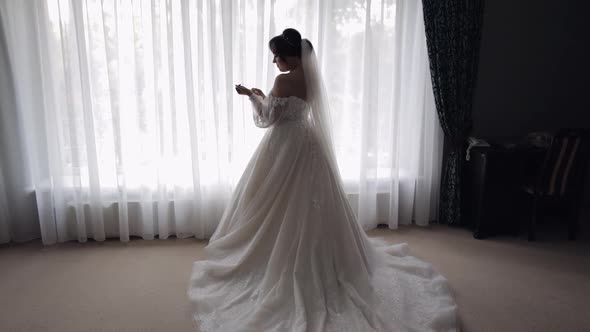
[493, 178]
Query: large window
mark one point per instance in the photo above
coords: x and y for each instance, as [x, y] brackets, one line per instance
[132, 100]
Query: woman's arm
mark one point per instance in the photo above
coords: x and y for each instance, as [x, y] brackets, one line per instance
[258, 92]
[242, 90]
[263, 111]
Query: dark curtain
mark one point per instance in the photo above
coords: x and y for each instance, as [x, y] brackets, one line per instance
[453, 30]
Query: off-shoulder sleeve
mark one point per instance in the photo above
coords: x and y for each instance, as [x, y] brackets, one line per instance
[266, 111]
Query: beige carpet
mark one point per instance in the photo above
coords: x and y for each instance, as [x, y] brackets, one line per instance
[501, 284]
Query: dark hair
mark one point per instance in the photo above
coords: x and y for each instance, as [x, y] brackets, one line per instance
[287, 44]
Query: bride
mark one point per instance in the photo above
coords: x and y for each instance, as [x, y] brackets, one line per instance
[289, 254]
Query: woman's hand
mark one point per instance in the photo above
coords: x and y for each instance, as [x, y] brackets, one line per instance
[258, 92]
[242, 90]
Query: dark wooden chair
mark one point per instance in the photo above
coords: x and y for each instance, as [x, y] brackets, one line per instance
[559, 181]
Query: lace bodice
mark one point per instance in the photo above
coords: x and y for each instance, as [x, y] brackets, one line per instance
[271, 109]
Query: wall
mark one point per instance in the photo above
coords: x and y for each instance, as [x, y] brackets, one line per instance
[534, 70]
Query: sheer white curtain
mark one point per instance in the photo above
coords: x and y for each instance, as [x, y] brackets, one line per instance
[130, 126]
[18, 211]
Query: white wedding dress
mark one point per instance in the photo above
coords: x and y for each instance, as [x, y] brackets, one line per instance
[289, 254]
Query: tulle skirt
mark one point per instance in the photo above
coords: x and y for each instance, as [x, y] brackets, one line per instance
[289, 255]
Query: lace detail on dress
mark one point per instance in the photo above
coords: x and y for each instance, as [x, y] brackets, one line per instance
[272, 109]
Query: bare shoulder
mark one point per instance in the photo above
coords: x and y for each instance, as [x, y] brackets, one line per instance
[288, 85]
[281, 86]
